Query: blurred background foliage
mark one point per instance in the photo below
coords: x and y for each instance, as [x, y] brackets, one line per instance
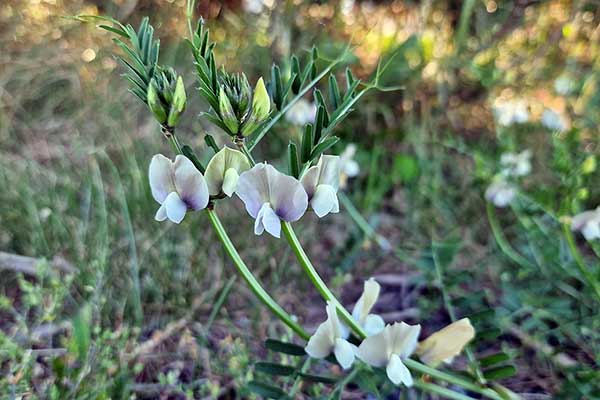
[153, 311]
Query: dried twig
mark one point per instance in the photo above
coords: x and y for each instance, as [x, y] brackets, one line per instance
[29, 265]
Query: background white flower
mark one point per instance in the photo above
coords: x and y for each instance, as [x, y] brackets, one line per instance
[348, 166]
[388, 348]
[511, 112]
[500, 193]
[371, 323]
[553, 120]
[321, 183]
[588, 223]
[516, 164]
[177, 186]
[270, 196]
[301, 113]
[330, 337]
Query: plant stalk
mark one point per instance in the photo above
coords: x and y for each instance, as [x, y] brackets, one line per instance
[319, 284]
[254, 285]
[585, 272]
[501, 239]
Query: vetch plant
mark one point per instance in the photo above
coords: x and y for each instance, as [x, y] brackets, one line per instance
[276, 199]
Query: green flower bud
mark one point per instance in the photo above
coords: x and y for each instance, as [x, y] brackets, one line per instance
[227, 114]
[180, 98]
[154, 103]
[589, 165]
[178, 104]
[261, 103]
[582, 194]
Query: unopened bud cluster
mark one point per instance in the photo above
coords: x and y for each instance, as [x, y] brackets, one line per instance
[240, 109]
[166, 97]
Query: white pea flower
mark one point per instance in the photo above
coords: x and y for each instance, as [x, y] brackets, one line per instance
[321, 183]
[222, 171]
[270, 197]
[588, 223]
[511, 112]
[564, 85]
[388, 348]
[514, 164]
[371, 323]
[553, 120]
[500, 193]
[177, 186]
[330, 337]
[349, 167]
[253, 6]
[301, 113]
[445, 344]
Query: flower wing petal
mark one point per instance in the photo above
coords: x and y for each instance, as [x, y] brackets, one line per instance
[161, 213]
[324, 201]
[175, 208]
[230, 181]
[397, 371]
[267, 220]
[320, 344]
[344, 353]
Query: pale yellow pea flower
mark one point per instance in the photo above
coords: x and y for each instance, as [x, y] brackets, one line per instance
[445, 344]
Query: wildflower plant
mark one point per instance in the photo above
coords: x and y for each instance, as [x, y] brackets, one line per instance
[371, 352]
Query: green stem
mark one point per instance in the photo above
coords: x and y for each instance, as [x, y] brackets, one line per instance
[585, 272]
[450, 378]
[252, 282]
[450, 309]
[442, 391]
[314, 277]
[463, 24]
[254, 285]
[501, 240]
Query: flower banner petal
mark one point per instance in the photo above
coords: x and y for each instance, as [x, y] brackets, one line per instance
[160, 175]
[190, 183]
